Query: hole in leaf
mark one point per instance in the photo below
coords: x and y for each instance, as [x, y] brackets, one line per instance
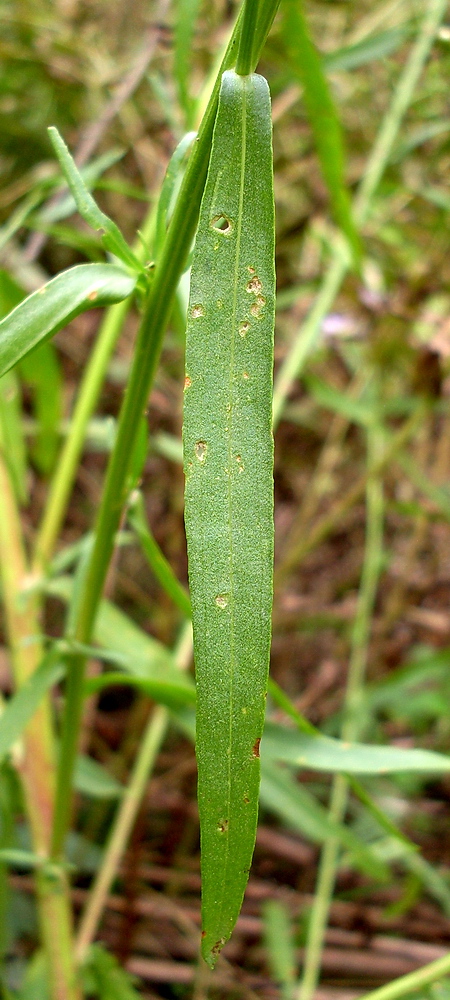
[222, 224]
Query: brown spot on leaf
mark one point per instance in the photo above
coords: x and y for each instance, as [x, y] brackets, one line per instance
[255, 748]
[258, 306]
[223, 825]
[93, 295]
[217, 947]
[254, 285]
[197, 311]
[187, 382]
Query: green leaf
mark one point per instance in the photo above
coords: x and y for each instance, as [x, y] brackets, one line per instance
[11, 431]
[112, 982]
[186, 14]
[46, 311]
[321, 753]
[292, 802]
[140, 655]
[369, 49]
[90, 175]
[112, 238]
[279, 941]
[42, 372]
[156, 560]
[11, 434]
[306, 65]
[168, 189]
[357, 410]
[228, 454]
[92, 779]
[35, 985]
[24, 860]
[20, 708]
[166, 689]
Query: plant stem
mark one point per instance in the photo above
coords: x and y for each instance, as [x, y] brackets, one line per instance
[350, 729]
[36, 765]
[156, 313]
[148, 750]
[310, 330]
[412, 982]
[244, 62]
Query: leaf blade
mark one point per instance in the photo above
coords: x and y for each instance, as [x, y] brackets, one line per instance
[228, 464]
[46, 311]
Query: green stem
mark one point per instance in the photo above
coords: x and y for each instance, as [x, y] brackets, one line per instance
[350, 729]
[412, 982]
[309, 333]
[156, 313]
[129, 806]
[244, 63]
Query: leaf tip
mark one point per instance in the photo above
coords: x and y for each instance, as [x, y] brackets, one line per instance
[211, 954]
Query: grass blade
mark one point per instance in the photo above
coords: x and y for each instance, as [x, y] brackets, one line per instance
[186, 16]
[307, 66]
[228, 462]
[322, 753]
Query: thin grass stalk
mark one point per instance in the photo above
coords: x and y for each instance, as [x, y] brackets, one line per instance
[129, 806]
[309, 332]
[299, 544]
[167, 273]
[353, 696]
[412, 982]
[36, 760]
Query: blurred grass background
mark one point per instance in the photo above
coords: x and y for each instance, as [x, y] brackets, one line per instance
[363, 440]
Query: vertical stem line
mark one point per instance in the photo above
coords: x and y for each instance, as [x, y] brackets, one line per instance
[354, 693]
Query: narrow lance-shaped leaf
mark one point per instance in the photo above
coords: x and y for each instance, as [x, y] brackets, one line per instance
[46, 311]
[228, 452]
[112, 238]
[168, 188]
